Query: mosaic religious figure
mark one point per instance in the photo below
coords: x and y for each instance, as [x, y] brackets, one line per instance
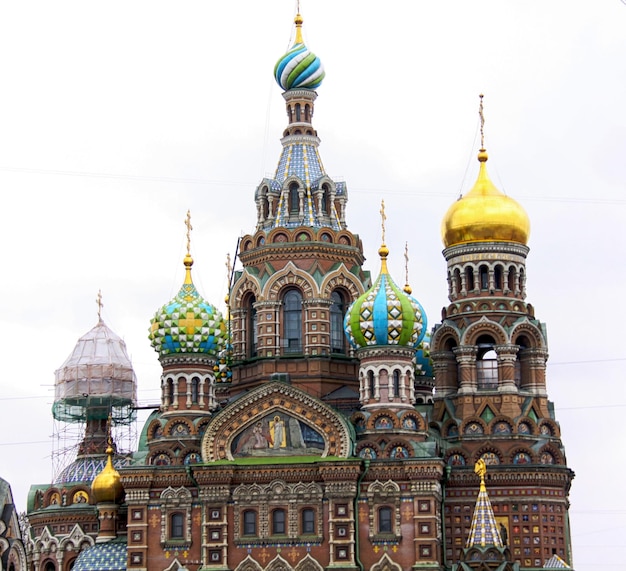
[278, 435]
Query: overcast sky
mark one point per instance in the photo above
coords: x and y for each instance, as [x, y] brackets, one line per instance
[117, 117]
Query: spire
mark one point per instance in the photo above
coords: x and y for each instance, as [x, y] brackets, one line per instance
[484, 529]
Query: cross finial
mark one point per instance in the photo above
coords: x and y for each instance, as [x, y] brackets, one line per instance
[383, 217]
[189, 229]
[481, 470]
[482, 122]
[100, 305]
[406, 262]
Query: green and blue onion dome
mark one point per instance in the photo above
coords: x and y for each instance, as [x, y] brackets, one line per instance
[188, 323]
[299, 68]
[385, 314]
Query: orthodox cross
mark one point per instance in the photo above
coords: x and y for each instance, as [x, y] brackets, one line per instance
[189, 229]
[482, 122]
[100, 304]
[406, 262]
[383, 217]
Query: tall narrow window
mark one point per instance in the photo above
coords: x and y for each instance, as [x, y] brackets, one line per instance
[484, 277]
[370, 383]
[252, 333]
[337, 311]
[384, 520]
[292, 321]
[170, 390]
[195, 389]
[308, 520]
[298, 112]
[486, 363]
[396, 383]
[511, 278]
[176, 526]
[278, 522]
[497, 277]
[469, 278]
[249, 522]
[294, 199]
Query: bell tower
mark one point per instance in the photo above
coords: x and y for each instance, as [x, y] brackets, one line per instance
[489, 355]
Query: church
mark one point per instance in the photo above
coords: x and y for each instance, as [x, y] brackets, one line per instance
[320, 422]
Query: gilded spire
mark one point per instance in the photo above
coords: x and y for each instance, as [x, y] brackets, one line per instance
[298, 22]
[188, 259]
[484, 529]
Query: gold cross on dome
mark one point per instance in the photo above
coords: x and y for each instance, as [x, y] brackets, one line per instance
[189, 323]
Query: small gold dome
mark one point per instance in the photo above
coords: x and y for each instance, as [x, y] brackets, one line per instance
[107, 486]
[485, 214]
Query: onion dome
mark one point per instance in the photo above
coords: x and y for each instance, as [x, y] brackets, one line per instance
[107, 485]
[423, 362]
[299, 68]
[188, 324]
[485, 214]
[86, 468]
[385, 314]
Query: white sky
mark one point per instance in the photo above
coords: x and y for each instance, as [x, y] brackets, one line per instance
[117, 117]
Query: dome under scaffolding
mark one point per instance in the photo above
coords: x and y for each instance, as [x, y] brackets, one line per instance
[95, 385]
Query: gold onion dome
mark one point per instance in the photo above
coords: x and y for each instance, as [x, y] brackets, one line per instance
[107, 485]
[485, 214]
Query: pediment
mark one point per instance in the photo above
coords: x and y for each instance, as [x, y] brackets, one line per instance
[276, 420]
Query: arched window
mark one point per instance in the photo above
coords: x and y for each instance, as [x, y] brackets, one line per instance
[511, 278]
[177, 526]
[249, 522]
[337, 311]
[486, 363]
[396, 383]
[384, 520]
[49, 566]
[298, 112]
[294, 200]
[497, 277]
[484, 277]
[251, 326]
[292, 321]
[170, 390]
[307, 111]
[278, 522]
[457, 281]
[469, 278]
[307, 516]
[325, 195]
[195, 389]
[370, 383]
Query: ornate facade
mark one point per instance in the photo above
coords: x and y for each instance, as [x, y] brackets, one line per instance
[318, 424]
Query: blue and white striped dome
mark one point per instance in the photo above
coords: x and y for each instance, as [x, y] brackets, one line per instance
[299, 67]
[385, 315]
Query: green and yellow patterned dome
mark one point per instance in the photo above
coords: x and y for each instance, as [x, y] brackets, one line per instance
[188, 323]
